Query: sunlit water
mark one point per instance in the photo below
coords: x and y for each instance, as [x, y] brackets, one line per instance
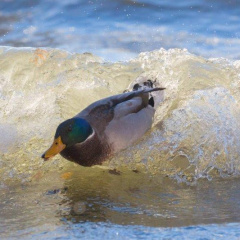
[181, 180]
[94, 204]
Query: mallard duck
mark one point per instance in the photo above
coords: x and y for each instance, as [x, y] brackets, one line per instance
[104, 127]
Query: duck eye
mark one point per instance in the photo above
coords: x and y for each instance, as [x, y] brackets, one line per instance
[70, 129]
[56, 143]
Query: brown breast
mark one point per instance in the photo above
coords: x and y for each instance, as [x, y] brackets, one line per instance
[89, 153]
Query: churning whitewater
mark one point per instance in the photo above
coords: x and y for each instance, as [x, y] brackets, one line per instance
[196, 130]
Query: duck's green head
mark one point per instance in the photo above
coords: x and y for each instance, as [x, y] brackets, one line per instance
[69, 133]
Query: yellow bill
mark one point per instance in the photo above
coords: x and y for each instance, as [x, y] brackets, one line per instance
[56, 148]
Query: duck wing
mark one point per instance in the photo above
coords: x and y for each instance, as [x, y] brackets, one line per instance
[101, 112]
[110, 102]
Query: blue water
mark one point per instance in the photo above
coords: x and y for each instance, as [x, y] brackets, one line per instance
[111, 231]
[119, 30]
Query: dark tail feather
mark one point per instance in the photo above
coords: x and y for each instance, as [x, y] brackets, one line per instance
[148, 86]
[151, 100]
[153, 90]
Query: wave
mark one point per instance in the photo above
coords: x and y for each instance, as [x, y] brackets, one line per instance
[196, 128]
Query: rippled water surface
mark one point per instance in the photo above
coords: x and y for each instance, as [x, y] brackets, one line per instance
[92, 204]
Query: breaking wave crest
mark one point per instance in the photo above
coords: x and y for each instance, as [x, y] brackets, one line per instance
[196, 131]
